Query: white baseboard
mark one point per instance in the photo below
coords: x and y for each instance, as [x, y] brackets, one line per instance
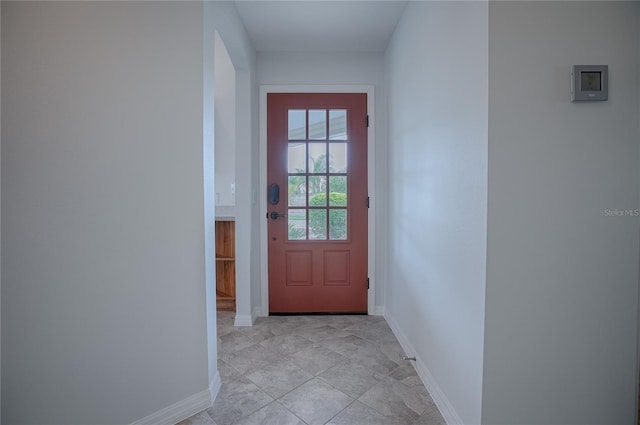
[181, 410]
[449, 414]
[243, 320]
[214, 387]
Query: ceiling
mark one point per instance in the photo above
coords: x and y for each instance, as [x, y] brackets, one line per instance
[320, 25]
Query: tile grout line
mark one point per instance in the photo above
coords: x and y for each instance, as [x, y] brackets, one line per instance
[345, 408]
[285, 407]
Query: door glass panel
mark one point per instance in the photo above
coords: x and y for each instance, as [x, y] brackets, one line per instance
[318, 224]
[338, 124]
[317, 124]
[338, 191]
[297, 223]
[297, 191]
[338, 157]
[318, 191]
[317, 157]
[312, 168]
[297, 124]
[338, 224]
[297, 157]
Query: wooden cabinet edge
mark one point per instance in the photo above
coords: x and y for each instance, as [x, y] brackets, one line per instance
[225, 265]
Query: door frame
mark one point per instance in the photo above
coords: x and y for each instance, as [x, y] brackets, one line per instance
[371, 183]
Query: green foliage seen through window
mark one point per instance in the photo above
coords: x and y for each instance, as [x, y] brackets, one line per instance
[337, 217]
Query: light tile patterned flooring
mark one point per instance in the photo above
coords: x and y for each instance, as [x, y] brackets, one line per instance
[315, 370]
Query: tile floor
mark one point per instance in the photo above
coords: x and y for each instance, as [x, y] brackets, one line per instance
[315, 370]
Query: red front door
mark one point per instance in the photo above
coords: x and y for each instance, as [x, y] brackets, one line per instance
[317, 202]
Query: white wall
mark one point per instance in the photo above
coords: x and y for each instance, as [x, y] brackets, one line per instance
[225, 128]
[247, 213]
[438, 195]
[208, 167]
[562, 276]
[0, 222]
[253, 99]
[236, 40]
[102, 210]
[286, 68]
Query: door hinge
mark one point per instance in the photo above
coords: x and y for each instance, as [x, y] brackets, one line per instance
[368, 203]
[366, 121]
[367, 283]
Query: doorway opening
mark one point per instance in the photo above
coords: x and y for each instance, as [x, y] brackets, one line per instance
[317, 176]
[316, 211]
[225, 176]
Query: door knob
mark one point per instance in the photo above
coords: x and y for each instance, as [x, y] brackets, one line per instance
[275, 215]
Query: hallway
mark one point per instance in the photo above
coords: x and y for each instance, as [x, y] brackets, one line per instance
[315, 370]
[505, 217]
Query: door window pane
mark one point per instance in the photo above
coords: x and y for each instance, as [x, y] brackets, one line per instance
[338, 224]
[338, 191]
[338, 124]
[297, 154]
[297, 223]
[317, 124]
[318, 191]
[338, 157]
[297, 191]
[317, 157]
[297, 124]
[318, 224]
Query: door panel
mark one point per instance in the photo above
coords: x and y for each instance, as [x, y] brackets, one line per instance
[317, 155]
